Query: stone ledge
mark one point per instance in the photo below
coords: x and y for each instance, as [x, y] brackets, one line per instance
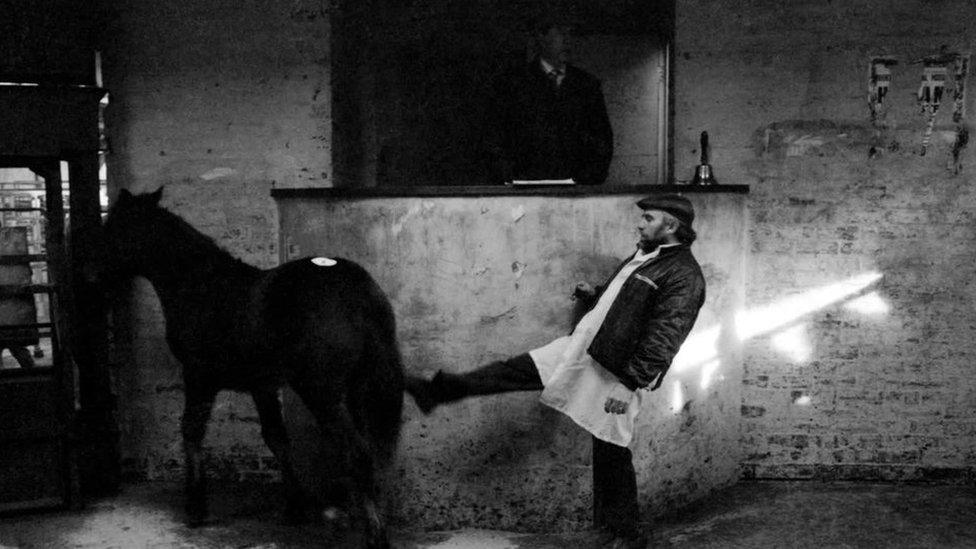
[501, 190]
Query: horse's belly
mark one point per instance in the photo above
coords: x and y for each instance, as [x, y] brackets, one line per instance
[229, 368]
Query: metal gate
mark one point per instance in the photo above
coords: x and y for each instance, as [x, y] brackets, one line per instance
[37, 395]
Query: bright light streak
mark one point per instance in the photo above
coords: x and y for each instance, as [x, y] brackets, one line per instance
[701, 347]
[708, 370]
[677, 398]
[793, 342]
[771, 317]
[868, 304]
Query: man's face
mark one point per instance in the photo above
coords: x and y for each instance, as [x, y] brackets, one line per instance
[554, 44]
[655, 227]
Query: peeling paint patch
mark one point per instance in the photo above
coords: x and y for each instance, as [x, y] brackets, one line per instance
[798, 146]
[961, 140]
[879, 84]
[217, 173]
[801, 201]
[397, 227]
[518, 269]
[792, 138]
[490, 319]
[517, 213]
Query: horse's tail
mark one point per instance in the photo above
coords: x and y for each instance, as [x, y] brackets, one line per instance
[375, 389]
[384, 383]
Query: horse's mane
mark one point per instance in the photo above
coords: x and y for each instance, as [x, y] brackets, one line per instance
[202, 248]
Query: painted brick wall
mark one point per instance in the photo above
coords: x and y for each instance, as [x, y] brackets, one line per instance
[873, 378]
[219, 101]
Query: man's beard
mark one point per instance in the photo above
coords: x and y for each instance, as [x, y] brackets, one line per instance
[648, 246]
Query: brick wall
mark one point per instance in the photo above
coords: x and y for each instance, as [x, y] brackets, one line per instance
[873, 379]
[222, 100]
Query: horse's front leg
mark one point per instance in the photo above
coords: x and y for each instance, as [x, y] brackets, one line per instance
[276, 437]
[196, 413]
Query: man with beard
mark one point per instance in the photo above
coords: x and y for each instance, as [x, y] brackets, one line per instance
[635, 324]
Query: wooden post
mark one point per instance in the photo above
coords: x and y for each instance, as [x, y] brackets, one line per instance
[99, 459]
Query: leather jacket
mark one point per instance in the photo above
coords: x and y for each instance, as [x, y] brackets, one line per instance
[650, 317]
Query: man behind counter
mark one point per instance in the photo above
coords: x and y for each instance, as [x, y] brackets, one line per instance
[547, 119]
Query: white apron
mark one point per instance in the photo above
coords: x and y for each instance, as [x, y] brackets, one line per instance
[577, 385]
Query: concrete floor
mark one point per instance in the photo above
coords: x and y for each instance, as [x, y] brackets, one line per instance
[749, 515]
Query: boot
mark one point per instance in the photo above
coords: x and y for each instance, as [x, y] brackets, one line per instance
[441, 389]
[515, 374]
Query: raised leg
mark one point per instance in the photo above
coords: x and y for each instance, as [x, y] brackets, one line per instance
[276, 437]
[196, 413]
[518, 373]
[352, 463]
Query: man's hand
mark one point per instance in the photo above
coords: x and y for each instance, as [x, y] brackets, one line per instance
[658, 374]
[618, 400]
[583, 291]
[614, 406]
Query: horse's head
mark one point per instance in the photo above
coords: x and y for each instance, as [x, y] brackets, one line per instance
[125, 241]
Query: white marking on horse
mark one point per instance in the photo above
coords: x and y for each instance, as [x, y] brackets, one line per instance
[324, 261]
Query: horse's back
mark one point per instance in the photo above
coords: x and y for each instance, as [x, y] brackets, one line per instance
[326, 290]
[336, 329]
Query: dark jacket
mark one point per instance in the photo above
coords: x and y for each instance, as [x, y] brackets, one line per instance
[650, 318]
[535, 130]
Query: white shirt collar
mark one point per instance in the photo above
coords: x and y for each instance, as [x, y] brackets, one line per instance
[548, 67]
[653, 253]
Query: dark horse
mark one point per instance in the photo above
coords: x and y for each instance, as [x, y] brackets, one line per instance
[321, 325]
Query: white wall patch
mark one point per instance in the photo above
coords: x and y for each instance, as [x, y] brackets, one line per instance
[217, 173]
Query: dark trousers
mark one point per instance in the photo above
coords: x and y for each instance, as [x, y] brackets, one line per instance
[614, 480]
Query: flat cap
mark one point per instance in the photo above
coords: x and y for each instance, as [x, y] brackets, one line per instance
[675, 204]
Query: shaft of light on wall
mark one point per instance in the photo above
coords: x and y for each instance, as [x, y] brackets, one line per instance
[768, 318]
[677, 397]
[868, 304]
[701, 347]
[708, 372]
[794, 343]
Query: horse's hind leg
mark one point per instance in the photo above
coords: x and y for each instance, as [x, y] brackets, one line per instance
[196, 412]
[353, 459]
[276, 437]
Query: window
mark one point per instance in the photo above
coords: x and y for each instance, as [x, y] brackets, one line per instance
[411, 81]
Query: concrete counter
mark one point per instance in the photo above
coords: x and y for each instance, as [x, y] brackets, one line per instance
[474, 278]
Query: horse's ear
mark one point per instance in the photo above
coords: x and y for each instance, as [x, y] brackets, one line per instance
[155, 196]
